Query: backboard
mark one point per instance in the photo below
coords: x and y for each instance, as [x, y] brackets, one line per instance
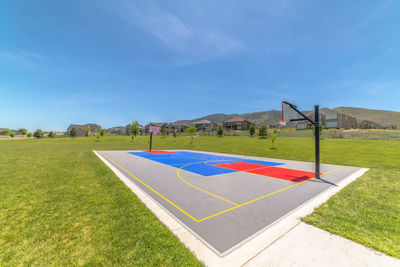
[288, 113]
[154, 129]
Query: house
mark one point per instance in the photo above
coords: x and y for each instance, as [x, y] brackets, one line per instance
[237, 123]
[119, 130]
[178, 126]
[205, 125]
[80, 129]
[159, 124]
[366, 124]
[330, 119]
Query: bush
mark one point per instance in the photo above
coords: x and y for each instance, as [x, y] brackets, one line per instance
[5, 132]
[29, 135]
[51, 134]
[87, 131]
[72, 133]
[252, 130]
[191, 131]
[22, 131]
[102, 132]
[38, 133]
[220, 131]
[273, 138]
[12, 134]
[262, 132]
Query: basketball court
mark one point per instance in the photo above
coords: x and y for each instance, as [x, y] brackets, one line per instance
[224, 200]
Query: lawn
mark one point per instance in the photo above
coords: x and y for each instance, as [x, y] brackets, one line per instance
[61, 205]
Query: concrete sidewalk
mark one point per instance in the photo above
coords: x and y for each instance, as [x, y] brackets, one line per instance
[306, 245]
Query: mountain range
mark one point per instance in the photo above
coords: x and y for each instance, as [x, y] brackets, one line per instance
[383, 117]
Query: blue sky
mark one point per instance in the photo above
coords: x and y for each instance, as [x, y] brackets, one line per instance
[112, 62]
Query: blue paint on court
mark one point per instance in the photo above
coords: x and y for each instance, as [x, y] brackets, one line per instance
[199, 163]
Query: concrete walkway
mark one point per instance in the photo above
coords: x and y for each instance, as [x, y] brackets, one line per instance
[306, 245]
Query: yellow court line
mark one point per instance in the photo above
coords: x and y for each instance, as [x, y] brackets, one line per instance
[166, 199]
[218, 213]
[270, 194]
[202, 190]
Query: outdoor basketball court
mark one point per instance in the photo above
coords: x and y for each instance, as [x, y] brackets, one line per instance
[224, 200]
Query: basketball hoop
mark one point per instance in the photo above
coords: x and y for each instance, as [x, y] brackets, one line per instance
[282, 123]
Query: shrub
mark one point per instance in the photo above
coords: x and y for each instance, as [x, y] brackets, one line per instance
[87, 131]
[134, 129]
[22, 131]
[29, 135]
[262, 132]
[51, 134]
[72, 133]
[12, 134]
[38, 133]
[102, 132]
[252, 130]
[191, 131]
[220, 131]
[5, 131]
[273, 138]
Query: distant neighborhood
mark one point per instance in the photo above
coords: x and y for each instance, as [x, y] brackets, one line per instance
[330, 119]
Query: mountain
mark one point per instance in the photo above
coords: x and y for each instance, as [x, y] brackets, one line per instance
[382, 117]
[259, 118]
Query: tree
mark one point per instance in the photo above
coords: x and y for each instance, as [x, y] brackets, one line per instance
[87, 131]
[273, 138]
[29, 134]
[102, 132]
[220, 131]
[72, 133]
[23, 131]
[134, 129]
[163, 131]
[262, 132]
[12, 134]
[5, 131]
[191, 131]
[51, 134]
[252, 130]
[38, 133]
[174, 133]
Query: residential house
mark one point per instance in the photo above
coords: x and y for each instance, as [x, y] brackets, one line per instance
[330, 119]
[366, 124]
[178, 126]
[205, 125]
[80, 129]
[237, 123]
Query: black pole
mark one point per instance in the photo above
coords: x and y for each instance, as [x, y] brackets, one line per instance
[316, 125]
[151, 139]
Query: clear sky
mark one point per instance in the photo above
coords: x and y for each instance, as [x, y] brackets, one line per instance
[112, 62]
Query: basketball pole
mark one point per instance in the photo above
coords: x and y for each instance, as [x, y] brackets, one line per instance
[317, 139]
[151, 139]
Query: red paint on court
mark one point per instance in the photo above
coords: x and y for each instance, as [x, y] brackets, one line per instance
[286, 174]
[158, 151]
[274, 172]
[241, 166]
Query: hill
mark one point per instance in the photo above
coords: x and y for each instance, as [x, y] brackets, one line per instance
[383, 117]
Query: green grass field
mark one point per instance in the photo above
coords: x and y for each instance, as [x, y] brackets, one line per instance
[61, 205]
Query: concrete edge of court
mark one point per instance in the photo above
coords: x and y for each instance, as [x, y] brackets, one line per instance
[250, 249]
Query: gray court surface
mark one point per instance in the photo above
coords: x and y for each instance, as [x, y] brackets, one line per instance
[228, 209]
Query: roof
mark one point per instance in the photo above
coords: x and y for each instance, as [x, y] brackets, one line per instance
[202, 122]
[179, 123]
[157, 123]
[236, 119]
